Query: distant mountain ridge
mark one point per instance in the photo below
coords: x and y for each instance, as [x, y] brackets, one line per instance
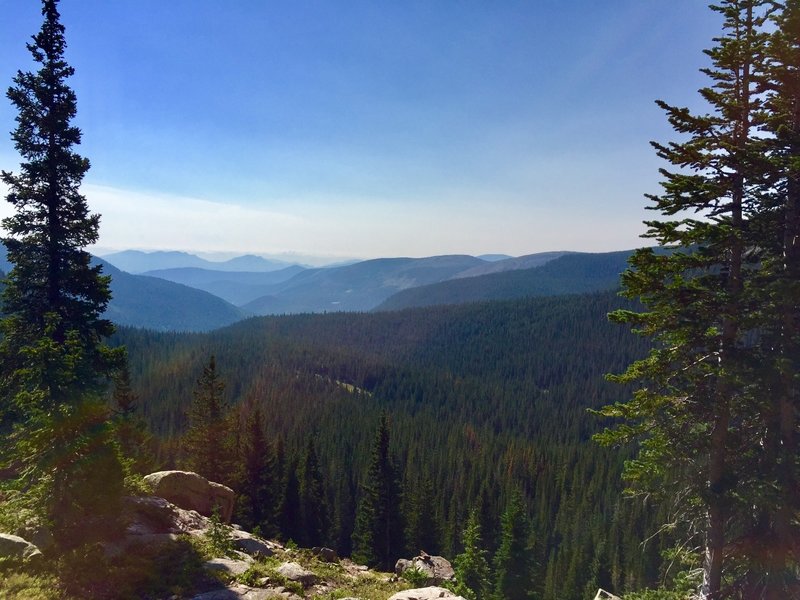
[570, 273]
[200, 299]
[152, 303]
[138, 262]
[357, 287]
[236, 287]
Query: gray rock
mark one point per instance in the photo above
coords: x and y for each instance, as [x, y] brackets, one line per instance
[240, 592]
[252, 545]
[15, 548]
[294, 572]
[428, 593]
[151, 515]
[437, 568]
[193, 492]
[228, 565]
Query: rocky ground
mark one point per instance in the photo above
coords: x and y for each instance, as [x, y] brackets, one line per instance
[239, 565]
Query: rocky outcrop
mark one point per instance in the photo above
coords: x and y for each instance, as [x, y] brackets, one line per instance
[436, 568]
[148, 515]
[428, 593]
[193, 492]
[243, 592]
[16, 549]
[252, 545]
[229, 565]
[294, 572]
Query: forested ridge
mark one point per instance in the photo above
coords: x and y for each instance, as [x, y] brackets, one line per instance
[483, 400]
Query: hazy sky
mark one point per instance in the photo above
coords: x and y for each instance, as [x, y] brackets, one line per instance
[362, 128]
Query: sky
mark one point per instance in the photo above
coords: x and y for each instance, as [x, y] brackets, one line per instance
[365, 129]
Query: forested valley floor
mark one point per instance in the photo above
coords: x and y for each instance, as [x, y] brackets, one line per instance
[484, 400]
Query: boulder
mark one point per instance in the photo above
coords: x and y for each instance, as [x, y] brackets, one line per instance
[148, 515]
[437, 568]
[294, 572]
[16, 549]
[228, 565]
[252, 545]
[325, 554]
[428, 593]
[243, 592]
[193, 492]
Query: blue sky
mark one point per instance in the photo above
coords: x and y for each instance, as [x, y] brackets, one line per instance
[364, 129]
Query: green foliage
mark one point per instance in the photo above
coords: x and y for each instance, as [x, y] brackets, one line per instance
[471, 566]
[258, 479]
[513, 563]
[209, 442]
[56, 445]
[416, 577]
[218, 540]
[313, 504]
[722, 310]
[152, 571]
[483, 398]
[29, 586]
[377, 538]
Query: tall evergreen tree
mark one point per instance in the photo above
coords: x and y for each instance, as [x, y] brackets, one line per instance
[54, 365]
[471, 566]
[314, 511]
[698, 413]
[513, 563]
[208, 443]
[423, 529]
[378, 534]
[291, 516]
[775, 527]
[258, 479]
[129, 427]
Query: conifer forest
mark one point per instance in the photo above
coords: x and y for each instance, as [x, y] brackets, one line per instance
[555, 441]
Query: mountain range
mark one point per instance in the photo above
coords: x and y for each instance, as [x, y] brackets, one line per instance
[136, 261]
[198, 298]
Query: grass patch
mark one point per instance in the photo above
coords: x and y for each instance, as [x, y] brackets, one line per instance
[27, 586]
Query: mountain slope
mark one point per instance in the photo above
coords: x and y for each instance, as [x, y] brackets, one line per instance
[568, 274]
[236, 287]
[528, 261]
[357, 287]
[152, 303]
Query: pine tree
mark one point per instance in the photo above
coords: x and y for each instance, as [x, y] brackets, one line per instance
[129, 426]
[775, 527]
[291, 517]
[258, 478]
[314, 512]
[471, 566]
[697, 413]
[208, 443]
[513, 563]
[378, 534]
[423, 529]
[54, 366]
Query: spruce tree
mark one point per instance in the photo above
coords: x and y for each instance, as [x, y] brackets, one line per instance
[314, 511]
[697, 412]
[54, 366]
[208, 444]
[258, 478]
[129, 427]
[513, 563]
[378, 534]
[471, 566]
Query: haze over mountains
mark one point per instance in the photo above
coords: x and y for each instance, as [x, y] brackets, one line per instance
[200, 298]
[191, 298]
